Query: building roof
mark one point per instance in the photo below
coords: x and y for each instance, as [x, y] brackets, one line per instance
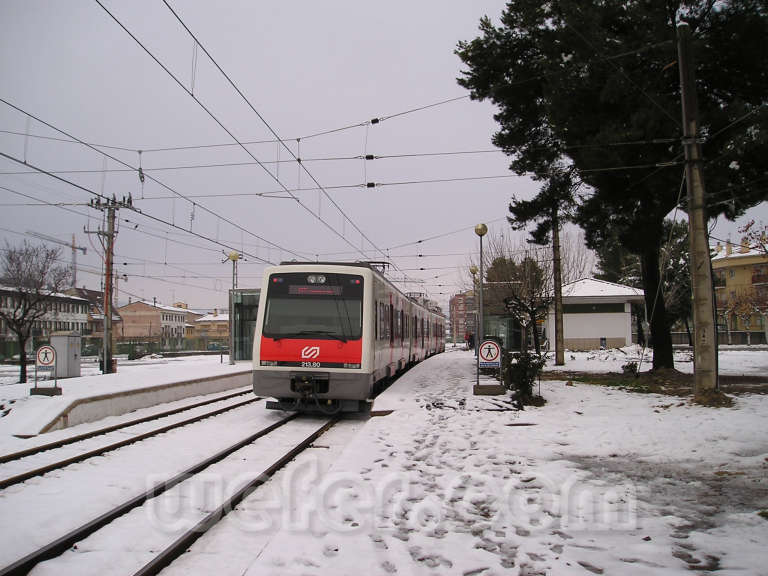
[221, 317]
[592, 287]
[52, 294]
[736, 253]
[160, 307]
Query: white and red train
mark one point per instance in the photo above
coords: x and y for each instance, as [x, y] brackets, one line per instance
[329, 336]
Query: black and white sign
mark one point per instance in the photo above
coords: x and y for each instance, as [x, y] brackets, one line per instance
[46, 357]
[490, 354]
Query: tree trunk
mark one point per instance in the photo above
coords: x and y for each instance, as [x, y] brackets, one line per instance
[535, 334]
[22, 358]
[639, 322]
[660, 336]
[557, 272]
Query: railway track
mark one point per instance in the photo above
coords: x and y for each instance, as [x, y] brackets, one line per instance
[39, 470]
[305, 432]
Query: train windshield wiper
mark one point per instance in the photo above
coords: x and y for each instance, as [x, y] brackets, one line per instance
[327, 333]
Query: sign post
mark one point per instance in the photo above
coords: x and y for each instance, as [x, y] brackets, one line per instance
[489, 356]
[45, 360]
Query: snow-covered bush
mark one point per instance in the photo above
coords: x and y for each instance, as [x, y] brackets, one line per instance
[520, 371]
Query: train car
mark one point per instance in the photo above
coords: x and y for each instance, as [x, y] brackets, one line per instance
[330, 336]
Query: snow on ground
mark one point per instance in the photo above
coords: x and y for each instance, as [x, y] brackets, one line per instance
[598, 481]
[18, 407]
[734, 360]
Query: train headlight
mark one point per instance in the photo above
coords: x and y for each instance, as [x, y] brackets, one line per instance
[268, 363]
[316, 279]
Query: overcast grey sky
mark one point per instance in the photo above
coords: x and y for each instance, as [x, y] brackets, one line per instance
[305, 67]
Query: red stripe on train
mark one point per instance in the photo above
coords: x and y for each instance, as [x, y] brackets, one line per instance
[311, 350]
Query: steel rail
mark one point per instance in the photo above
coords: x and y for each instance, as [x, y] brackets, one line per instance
[65, 542]
[93, 433]
[18, 478]
[182, 544]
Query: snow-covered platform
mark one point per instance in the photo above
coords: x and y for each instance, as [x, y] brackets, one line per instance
[134, 386]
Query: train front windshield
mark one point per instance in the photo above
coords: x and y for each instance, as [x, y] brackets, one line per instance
[314, 305]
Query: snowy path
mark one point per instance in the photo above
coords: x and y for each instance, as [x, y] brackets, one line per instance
[604, 482]
[598, 481]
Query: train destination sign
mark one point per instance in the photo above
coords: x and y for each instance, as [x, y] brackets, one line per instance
[490, 354]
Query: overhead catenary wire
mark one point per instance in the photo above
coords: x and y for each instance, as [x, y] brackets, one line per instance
[160, 183]
[215, 118]
[365, 157]
[240, 93]
[134, 209]
[302, 167]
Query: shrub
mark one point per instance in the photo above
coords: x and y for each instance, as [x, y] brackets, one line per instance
[629, 368]
[521, 369]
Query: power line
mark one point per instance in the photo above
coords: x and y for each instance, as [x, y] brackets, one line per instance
[162, 184]
[419, 109]
[146, 149]
[46, 203]
[213, 116]
[146, 215]
[626, 76]
[272, 131]
[366, 157]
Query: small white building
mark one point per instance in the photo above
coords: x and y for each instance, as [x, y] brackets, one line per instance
[596, 314]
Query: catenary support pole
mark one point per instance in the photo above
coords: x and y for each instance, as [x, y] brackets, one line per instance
[107, 367]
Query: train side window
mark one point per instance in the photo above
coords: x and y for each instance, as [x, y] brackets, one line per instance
[391, 331]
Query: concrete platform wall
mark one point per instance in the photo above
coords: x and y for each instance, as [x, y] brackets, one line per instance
[114, 404]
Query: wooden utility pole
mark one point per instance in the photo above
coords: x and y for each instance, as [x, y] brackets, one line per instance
[558, 285]
[704, 346]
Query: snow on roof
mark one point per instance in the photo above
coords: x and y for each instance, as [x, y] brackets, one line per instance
[52, 294]
[736, 252]
[164, 307]
[221, 317]
[591, 287]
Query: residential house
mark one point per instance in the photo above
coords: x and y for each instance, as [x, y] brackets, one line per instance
[95, 324]
[213, 329]
[740, 276]
[153, 322]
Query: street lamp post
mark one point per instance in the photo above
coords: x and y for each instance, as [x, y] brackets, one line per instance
[480, 230]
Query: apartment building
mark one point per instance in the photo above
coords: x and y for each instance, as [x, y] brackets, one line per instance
[740, 276]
